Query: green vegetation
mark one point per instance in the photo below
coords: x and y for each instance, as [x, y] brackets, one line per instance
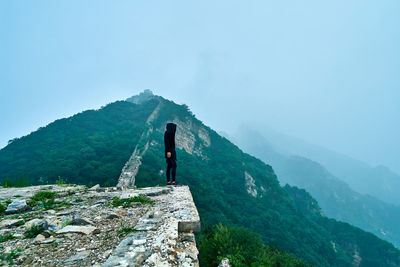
[2, 208]
[116, 202]
[65, 223]
[4, 238]
[242, 247]
[10, 257]
[61, 181]
[44, 199]
[34, 231]
[90, 146]
[124, 230]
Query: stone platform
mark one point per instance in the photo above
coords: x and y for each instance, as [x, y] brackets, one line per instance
[164, 235]
[85, 227]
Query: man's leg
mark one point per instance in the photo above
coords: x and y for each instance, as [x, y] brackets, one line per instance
[173, 171]
[168, 171]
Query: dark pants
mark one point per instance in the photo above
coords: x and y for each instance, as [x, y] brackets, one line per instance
[171, 165]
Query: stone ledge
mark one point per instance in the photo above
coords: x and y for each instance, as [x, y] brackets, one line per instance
[85, 229]
[165, 234]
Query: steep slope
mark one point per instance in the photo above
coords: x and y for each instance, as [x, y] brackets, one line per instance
[335, 197]
[379, 181]
[90, 147]
[228, 186]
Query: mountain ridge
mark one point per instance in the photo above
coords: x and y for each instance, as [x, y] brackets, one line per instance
[377, 181]
[214, 168]
[337, 199]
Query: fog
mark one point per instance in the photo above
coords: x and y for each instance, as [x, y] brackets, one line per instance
[325, 72]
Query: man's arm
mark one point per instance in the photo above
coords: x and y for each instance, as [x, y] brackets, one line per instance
[167, 146]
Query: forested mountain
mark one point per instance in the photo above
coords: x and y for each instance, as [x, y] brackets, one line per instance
[335, 197]
[228, 185]
[378, 181]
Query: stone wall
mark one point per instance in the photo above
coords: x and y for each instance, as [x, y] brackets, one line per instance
[101, 227]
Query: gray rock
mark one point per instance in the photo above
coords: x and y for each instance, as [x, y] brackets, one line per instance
[19, 235]
[147, 225]
[79, 256]
[224, 263]
[64, 213]
[112, 216]
[39, 238]
[48, 240]
[136, 204]
[107, 253]
[17, 206]
[37, 222]
[101, 201]
[5, 231]
[81, 221]
[87, 230]
[46, 233]
[11, 223]
[188, 237]
[126, 252]
[97, 186]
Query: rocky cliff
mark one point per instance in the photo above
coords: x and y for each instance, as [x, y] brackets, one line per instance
[60, 225]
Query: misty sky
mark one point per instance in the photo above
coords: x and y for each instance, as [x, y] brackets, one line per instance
[325, 71]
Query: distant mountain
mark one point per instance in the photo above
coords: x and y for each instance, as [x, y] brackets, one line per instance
[335, 197]
[379, 181]
[228, 185]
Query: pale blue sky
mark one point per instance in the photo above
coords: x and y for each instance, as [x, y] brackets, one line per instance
[324, 71]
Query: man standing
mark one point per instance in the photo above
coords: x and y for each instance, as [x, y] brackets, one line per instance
[170, 153]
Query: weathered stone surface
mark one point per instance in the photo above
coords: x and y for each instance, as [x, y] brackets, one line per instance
[81, 221]
[17, 206]
[46, 233]
[11, 223]
[156, 240]
[48, 240]
[87, 230]
[27, 192]
[129, 252]
[79, 256]
[164, 237]
[224, 263]
[36, 222]
[99, 202]
[251, 187]
[39, 238]
[97, 186]
[112, 216]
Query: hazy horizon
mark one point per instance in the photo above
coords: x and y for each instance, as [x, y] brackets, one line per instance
[326, 73]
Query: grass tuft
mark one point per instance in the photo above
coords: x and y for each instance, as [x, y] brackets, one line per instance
[116, 202]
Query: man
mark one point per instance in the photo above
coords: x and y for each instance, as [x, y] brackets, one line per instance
[170, 153]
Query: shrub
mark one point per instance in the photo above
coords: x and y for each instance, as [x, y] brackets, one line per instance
[43, 198]
[34, 231]
[242, 247]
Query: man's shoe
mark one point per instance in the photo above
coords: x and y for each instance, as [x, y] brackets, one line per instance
[173, 183]
[169, 183]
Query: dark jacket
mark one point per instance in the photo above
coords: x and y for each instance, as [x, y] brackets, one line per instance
[169, 140]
